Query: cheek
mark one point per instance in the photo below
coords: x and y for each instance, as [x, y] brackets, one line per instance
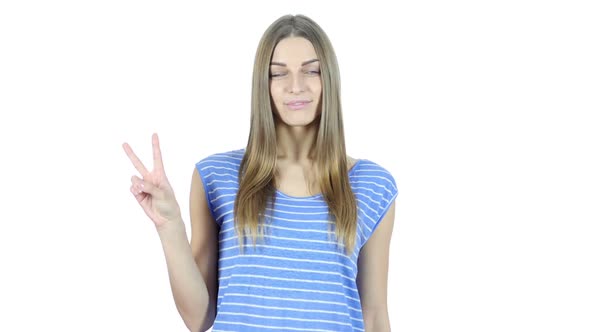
[316, 87]
[274, 94]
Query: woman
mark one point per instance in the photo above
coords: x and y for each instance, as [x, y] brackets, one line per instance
[284, 232]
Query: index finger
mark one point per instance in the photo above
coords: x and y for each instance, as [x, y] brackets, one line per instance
[136, 162]
[158, 163]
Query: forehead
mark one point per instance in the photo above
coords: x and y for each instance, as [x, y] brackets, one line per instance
[293, 51]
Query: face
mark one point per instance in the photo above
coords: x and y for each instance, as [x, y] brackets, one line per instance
[295, 76]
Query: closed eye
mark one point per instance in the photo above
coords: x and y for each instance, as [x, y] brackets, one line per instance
[311, 72]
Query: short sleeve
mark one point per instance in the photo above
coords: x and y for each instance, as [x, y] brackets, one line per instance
[205, 174]
[388, 193]
[376, 190]
[219, 175]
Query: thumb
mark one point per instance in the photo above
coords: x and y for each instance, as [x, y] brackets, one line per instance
[151, 189]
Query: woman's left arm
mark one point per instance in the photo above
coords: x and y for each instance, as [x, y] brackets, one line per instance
[373, 265]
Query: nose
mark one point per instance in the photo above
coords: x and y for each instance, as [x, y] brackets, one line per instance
[296, 84]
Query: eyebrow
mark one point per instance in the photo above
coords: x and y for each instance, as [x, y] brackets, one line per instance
[285, 65]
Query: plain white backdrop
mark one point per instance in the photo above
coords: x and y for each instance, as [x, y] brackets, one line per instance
[478, 109]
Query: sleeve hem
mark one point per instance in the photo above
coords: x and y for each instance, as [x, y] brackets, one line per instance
[206, 188]
[385, 210]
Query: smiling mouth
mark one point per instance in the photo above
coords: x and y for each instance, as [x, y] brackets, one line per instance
[298, 102]
[298, 105]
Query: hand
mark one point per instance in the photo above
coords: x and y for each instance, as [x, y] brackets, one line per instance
[153, 192]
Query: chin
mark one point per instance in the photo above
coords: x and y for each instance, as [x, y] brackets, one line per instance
[299, 124]
[301, 119]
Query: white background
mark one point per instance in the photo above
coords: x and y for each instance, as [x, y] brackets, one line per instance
[478, 109]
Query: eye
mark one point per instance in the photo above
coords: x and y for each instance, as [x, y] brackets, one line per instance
[313, 72]
[277, 75]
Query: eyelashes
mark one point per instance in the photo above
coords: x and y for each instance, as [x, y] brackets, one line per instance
[311, 72]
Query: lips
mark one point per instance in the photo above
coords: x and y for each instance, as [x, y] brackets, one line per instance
[299, 102]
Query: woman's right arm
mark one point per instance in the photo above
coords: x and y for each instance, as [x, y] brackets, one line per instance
[204, 243]
[192, 269]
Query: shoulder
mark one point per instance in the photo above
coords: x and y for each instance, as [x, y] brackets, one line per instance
[370, 173]
[375, 188]
[221, 160]
[220, 164]
[231, 156]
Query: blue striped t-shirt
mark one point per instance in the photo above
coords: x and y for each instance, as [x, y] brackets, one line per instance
[297, 279]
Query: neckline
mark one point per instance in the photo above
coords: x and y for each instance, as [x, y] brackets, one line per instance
[280, 193]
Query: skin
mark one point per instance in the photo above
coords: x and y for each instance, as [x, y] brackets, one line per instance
[373, 265]
[293, 77]
[295, 135]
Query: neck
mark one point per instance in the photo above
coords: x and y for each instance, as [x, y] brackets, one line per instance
[294, 144]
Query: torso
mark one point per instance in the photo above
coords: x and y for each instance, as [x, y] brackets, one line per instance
[293, 179]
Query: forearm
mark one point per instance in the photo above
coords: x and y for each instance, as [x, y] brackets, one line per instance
[188, 286]
[377, 321]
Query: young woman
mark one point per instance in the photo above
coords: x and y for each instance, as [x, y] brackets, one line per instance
[284, 232]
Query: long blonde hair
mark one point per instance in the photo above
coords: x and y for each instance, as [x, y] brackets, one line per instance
[258, 167]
